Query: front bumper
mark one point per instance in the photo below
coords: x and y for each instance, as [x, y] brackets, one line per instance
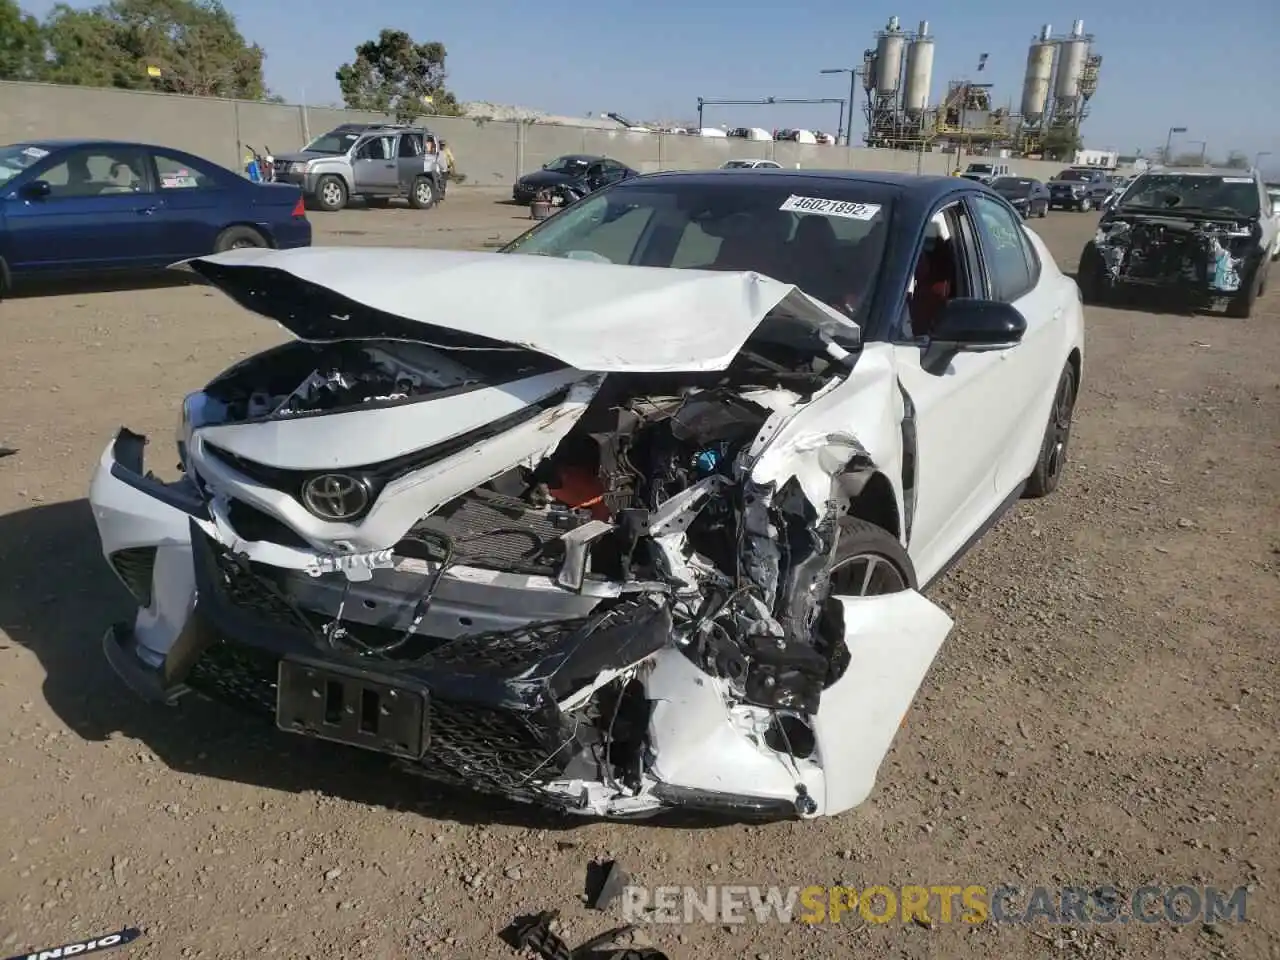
[503, 702]
[523, 193]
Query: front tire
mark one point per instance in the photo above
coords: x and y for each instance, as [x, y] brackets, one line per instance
[1044, 210]
[1057, 436]
[869, 561]
[1085, 205]
[331, 194]
[1089, 274]
[1241, 306]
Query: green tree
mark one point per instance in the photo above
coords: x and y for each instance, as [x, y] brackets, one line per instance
[394, 74]
[193, 44]
[1060, 143]
[21, 44]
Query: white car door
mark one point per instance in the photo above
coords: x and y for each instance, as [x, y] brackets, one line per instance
[961, 413]
[1028, 373]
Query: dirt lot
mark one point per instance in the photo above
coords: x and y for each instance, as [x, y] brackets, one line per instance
[1105, 711]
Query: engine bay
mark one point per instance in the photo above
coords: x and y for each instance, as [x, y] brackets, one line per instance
[1173, 250]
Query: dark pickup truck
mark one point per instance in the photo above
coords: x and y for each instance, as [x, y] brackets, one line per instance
[1079, 189]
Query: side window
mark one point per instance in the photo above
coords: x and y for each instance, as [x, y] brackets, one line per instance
[97, 171]
[595, 171]
[174, 174]
[1006, 251]
[375, 148]
[943, 271]
[410, 145]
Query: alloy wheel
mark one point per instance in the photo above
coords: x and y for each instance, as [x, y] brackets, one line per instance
[1060, 428]
[866, 575]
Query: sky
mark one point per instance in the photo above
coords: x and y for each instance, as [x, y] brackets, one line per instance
[1174, 63]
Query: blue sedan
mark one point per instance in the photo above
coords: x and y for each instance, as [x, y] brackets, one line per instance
[91, 206]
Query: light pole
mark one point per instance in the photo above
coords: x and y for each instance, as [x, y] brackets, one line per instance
[1168, 141]
[1203, 147]
[853, 73]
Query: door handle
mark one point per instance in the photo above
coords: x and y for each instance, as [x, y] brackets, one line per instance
[147, 211]
[391, 166]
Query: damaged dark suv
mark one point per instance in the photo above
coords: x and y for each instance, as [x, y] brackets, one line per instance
[1201, 235]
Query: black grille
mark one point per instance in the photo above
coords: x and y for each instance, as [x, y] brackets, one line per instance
[135, 566]
[502, 652]
[494, 531]
[247, 586]
[469, 744]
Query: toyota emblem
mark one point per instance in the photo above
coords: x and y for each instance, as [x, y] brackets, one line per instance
[335, 496]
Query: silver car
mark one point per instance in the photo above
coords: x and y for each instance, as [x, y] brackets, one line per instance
[378, 162]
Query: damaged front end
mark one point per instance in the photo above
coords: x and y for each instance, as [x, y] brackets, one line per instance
[1210, 260]
[607, 592]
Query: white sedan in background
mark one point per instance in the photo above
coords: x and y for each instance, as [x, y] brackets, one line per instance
[750, 165]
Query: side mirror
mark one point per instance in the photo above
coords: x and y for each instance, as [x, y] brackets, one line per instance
[974, 326]
[35, 190]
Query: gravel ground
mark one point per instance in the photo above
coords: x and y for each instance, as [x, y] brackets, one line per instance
[1105, 711]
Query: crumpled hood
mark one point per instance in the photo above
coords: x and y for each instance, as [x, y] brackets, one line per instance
[593, 316]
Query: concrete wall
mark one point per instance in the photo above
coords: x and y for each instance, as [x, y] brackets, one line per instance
[488, 152]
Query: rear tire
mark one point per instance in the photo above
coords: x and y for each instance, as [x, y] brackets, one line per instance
[422, 194]
[1057, 436]
[239, 238]
[331, 194]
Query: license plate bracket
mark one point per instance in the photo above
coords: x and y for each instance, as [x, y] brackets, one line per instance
[346, 705]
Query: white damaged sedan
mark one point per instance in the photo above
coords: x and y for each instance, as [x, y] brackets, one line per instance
[633, 514]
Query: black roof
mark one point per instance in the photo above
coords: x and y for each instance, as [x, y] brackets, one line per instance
[923, 189]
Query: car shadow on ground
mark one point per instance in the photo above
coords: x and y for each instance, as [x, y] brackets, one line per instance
[1150, 302]
[58, 597]
[109, 283]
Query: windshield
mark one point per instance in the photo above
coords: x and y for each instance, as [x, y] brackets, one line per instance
[829, 243]
[334, 143]
[569, 166]
[979, 168]
[1075, 176]
[16, 158]
[1012, 186]
[1235, 196]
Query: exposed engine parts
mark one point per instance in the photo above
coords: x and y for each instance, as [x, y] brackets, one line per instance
[1174, 251]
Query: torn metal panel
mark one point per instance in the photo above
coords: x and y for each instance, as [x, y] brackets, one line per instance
[1172, 251]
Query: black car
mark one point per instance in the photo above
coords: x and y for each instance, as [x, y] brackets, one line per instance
[1027, 195]
[570, 177]
[1201, 235]
[1079, 188]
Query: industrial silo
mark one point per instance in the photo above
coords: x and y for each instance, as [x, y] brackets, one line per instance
[889, 47]
[915, 95]
[1035, 88]
[1073, 52]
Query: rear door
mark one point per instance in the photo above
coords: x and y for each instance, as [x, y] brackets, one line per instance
[409, 160]
[100, 213]
[196, 204]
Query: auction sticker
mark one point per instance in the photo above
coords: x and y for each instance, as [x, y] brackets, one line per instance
[830, 208]
[80, 947]
[1237, 179]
